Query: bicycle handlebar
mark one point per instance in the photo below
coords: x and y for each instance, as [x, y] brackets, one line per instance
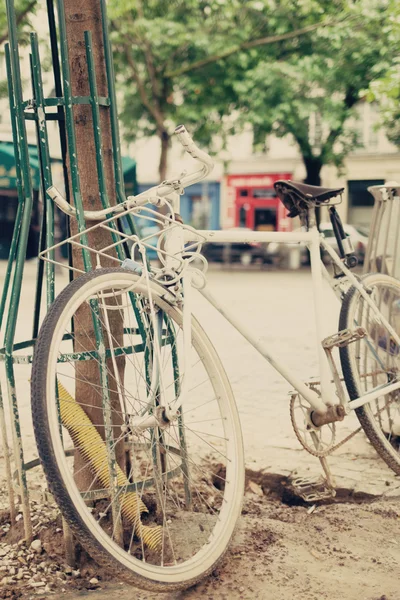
[160, 191]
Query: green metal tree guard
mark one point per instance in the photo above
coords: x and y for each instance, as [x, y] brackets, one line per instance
[36, 109]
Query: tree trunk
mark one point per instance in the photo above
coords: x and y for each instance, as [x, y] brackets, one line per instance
[313, 168]
[80, 17]
[165, 145]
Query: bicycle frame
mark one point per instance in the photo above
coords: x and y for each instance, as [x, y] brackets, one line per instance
[314, 241]
[167, 193]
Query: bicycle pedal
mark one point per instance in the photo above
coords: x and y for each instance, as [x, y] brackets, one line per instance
[312, 489]
[344, 338]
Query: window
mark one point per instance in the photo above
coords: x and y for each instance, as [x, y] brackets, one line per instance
[328, 233]
[365, 125]
[200, 212]
[359, 194]
[242, 216]
[264, 193]
[265, 219]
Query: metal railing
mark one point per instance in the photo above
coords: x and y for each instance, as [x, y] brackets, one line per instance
[41, 110]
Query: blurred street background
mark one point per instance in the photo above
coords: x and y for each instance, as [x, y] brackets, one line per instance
[306, 90]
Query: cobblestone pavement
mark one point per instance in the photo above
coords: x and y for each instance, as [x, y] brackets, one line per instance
[278, 306]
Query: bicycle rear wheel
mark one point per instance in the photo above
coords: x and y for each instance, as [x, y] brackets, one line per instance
[373, 361]
[157, 506]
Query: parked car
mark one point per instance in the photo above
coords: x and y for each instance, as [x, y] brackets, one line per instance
[278, 253]
[244, 253]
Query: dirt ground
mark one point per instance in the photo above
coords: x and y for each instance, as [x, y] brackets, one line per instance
[283, 548]
[349, 550]
[338, 552]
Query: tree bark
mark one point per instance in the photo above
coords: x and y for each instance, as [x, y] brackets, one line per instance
[163, 164]
[313, 168]
[80, 17]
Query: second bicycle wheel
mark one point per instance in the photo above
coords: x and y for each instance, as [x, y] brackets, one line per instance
[156, 505]
[374, 361]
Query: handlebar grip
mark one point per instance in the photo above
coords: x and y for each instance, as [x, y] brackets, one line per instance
[192, 149]
[183, 135]
[159, 191]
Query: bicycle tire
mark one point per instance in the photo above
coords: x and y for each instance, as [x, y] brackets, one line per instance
[372, 361]
[46, 369]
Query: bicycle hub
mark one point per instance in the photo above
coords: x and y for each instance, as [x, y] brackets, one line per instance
[333, 414]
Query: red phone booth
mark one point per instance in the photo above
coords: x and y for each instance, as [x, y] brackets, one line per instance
[253, 203]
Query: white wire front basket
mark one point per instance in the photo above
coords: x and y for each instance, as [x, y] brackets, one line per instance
[135, 238]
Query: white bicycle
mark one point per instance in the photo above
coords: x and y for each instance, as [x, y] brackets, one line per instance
[134, 416]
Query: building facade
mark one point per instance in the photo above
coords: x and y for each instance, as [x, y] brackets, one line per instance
[245, 178]
[239, 191]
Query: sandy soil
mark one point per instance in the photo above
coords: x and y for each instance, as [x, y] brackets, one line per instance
[344, 551]
[338, 552]
[283, 549]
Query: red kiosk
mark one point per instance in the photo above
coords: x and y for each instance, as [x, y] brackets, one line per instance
[252, 203]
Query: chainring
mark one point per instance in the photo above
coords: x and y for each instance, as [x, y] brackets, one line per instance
[318, 441]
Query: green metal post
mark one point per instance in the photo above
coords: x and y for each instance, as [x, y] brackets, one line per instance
[18, 219]
[19, 267]
[171, 335]
[119, 181]
[6, 452]
[43, 144]
[39, 276]
[60, 110]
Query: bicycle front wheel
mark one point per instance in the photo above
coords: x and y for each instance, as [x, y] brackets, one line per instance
[155, 505]
[374, 361]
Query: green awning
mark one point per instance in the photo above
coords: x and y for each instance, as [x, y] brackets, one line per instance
[129, 171]
[8, 174]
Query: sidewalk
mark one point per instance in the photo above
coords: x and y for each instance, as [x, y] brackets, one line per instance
[278, 305]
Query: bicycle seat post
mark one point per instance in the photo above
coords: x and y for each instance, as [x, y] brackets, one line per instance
[311, 217]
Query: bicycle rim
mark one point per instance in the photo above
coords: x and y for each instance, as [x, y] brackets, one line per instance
[162, 514]
[373, 361]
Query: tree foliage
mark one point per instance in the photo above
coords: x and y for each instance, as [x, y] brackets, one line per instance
[23, 11]
[313, 96]
[386, 90]
[294, 67]
[180, 61]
